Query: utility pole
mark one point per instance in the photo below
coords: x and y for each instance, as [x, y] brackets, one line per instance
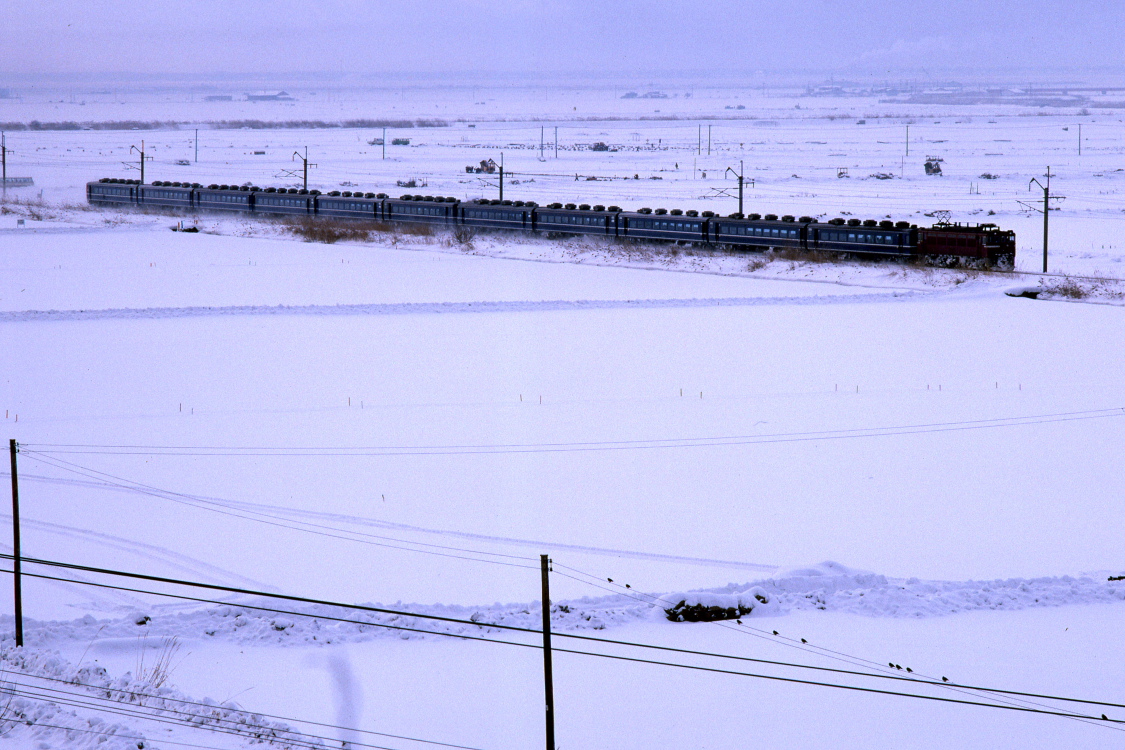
[708, 140]
[540, 143]
[144, 158]
[738, 174]
[501, 175]
[17, 584]
[305, 166]
[556, 141]
[384, 143]
[548, 676]
[197, 145]
[699, 141]
[908, 140]
[1080, 139]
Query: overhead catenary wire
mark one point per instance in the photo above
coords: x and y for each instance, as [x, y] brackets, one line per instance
[487, 625]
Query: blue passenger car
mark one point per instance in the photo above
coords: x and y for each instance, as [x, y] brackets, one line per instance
[866, 238]
[556, 219]
[171, 194]
[418, 209]
[349, 205]
[283, 201]
[111, 191]
[762, 232]
[224, 198]
[670, 227]
[496, 214]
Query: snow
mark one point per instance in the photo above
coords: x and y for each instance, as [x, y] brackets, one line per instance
[384, 421]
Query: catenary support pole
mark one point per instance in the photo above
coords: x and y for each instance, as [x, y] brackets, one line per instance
[197, 145]
[1046, 216]
[548, 676]
[17, 589]
[741, 171]
[708, 140]
[384, 143]
[556, 141]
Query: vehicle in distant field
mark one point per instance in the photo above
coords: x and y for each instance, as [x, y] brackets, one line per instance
[942, 244]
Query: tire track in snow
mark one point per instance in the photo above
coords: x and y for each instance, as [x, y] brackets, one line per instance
[431, 308]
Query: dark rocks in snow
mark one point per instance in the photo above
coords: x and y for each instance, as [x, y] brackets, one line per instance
[684, 612]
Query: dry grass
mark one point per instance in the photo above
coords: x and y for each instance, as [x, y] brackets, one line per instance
[328, 231]
[158, 669]
[1077, 289]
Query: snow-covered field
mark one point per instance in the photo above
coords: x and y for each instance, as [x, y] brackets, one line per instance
[416, 419]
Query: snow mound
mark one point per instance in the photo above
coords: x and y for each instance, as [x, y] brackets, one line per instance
[826, 586]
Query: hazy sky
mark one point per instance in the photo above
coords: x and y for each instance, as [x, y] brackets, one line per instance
[885, 37]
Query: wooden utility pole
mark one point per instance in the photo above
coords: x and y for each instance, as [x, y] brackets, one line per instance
[708, 140]
[384, 143]
[556, 141]
[197, 145]
[548, 676]
[17, 589]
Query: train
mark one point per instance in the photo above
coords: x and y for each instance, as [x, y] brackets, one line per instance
[943, 243]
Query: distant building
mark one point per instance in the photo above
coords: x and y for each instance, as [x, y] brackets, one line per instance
[218, 98]
[279, 96]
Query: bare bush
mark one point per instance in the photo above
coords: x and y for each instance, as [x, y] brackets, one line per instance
[465, 237]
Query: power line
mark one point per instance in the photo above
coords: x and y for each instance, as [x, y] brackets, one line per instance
[211, 706]
[804, 646]
[716, 670]
[479, 625]
[648, 443]
[135, 712]
[153, 713]
[205, 504]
